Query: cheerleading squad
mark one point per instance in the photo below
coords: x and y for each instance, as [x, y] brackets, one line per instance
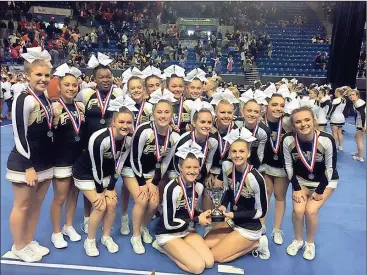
[171, 146]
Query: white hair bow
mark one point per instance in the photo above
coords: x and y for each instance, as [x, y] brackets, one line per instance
[197, 105]
[196, 73]
[151, 70]
[270, 90]
[64, 69]
[283, 91]
[291, 106]
[160, 94]
[284, 80]
[188, 147]
[35, 53]
[226, 94]
[258, 96]
[306, 101]
[129, 73]
[238, 133]
[219, 90]
[174, 69]
[294, 81]
[102, 59]
[122, 101]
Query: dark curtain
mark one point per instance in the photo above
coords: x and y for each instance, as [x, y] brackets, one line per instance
[348, 28]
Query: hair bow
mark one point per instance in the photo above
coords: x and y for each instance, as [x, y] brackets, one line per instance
[151, 70]
[197, 105]
[102, 59]
[306, 101]
[122, 101]
[291, 106]
[64, 69]
[258, 96]
[174, 69]
[188, 147]
[238, 133]
[226, 94]
[268, 92]
[284, 80]
[35, 53]
[129, 73]
[160, 94]
[196, 73]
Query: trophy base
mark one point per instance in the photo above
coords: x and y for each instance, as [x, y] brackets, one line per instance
[217, 218]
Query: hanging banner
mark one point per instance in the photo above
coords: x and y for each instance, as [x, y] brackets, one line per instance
[52, 11]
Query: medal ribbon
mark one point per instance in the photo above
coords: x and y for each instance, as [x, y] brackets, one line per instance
[103, 106]
[189, 206]
[114, 149]
[206, 148]
[275, 145]
[180, 108]
[255, 129]
[165, 145]
[49, 114]
[140, 114]
[309, 165]
[223, 148]
[76, 125]
[237, 192]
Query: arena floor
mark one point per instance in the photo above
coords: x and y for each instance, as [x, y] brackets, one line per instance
[340, 240]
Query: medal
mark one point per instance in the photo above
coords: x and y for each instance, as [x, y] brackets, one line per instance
[191, 225]
[223, 147]
[158, 152]
[76, 125]
[48, 112]
[275, 145]
[179, 118]
[190, 203]
[103, 105]
[114, 152]
[158, 165]
[237, 188]
[206, 148]
[310, 164]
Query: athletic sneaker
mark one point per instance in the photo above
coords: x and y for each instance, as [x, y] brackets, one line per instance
[71, 233]
[354, 154]
[147, 238]
[108, 242]
[157, 246]
[263, 249]
[58, 240]
[340, 148]
[84, 225]
[26, 254]
[263, 229]
[277, 235]
[294, 247]
[309, 253]
[39, 249]
[125, 229]
[358, 158]
[137, 245]
[91, 247]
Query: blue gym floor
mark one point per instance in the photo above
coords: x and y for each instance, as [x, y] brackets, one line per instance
[340, 240]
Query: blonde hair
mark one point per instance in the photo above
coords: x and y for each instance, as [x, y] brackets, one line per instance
[28, 67]
[234, 91]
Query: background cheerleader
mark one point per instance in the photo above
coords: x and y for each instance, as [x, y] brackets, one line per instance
[194, 86]
[310, 160]
[337, 119]
[30, 163]
[153, 80]
[175, 230]
[246, 191]
[96, 172]
[68, 124]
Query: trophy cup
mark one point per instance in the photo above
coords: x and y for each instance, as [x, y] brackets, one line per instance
[217, 195]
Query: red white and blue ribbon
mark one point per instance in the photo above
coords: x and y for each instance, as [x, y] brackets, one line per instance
[114, 149]
[275, 145]
[206, 148]
[238, 188]
[190, 204]
[310, 164]
[140, 114]
[103, 105]
[49, 113]
[180, 108]
[158, 152]
[223, 147]
[76, 125]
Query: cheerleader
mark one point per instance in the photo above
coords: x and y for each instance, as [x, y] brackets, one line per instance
[318, 111]
[360, 118]
[149, 158]
[272, 166]
[176, 235]
[30, 163]
[251, 112]
[209, 89]
[68, 123]
[246, 191]
[194, 86]
[310, 160]
[175, 84]
[153, 80]
[96, 107]
[96, 172]
[325, 102]
[337, 119]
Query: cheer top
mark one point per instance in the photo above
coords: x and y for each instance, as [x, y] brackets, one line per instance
[248, 197]
[144, 156]
[273, 151]
[181, 114]
[360, 117]
[145, 110]
[104, 158]
[326, 105]
[337, 109]
[310, 161]
[177, 203]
